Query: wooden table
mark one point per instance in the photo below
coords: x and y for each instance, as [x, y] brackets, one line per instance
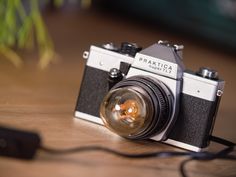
[44, 101]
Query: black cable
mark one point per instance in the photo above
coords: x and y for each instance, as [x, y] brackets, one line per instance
[206, 156]
[203, 156]
[221, 141]
[162, 154]
[182, 167]
[159, 154]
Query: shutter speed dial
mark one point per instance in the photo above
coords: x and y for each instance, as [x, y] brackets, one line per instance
[129, 48]
[208, 73]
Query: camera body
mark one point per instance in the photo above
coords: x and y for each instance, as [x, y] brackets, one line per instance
[194, 97]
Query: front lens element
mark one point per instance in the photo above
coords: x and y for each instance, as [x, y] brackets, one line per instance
[137, 108]
[126, 111]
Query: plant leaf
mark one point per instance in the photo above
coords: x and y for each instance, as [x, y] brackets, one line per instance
[46, 57]
[11, 55]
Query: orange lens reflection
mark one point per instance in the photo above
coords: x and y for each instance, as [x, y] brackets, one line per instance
[126, 111]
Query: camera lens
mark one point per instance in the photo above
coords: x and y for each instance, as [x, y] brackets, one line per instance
[125, 111]
[137, 108]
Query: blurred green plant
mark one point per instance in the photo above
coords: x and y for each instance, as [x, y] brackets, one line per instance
[24, 28]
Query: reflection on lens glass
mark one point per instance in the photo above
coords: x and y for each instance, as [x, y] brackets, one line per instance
[138, 107]
[125, 111]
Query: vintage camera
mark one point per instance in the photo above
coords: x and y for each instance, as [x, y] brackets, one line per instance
[147, 93]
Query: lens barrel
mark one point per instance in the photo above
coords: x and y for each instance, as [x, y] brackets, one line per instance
[151, 97]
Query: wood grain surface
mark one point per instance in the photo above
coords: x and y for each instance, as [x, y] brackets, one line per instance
[44, 101]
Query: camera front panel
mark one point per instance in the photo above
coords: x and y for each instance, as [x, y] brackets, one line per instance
[195, 121]
[93, 88]
[94, 85]
[199, 103]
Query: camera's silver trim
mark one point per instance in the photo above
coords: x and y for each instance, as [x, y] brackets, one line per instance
[200, 87]
[104, 59]
[88, 117]
[183, 145]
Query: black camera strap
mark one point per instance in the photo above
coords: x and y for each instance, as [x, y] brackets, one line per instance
[21, 144]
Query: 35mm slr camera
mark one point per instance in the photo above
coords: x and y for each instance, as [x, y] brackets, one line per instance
[147, 93]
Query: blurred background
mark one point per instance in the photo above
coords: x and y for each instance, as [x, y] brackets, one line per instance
[53, 34]
[210, 23]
